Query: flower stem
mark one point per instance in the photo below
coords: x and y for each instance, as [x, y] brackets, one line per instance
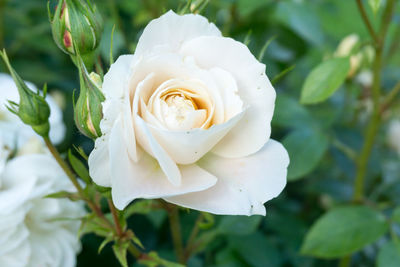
[390, 97]
[173, 215]
[114, 213]
[192, 237]
[374, 123]
[367, 21]
[74, 181]
[64, 166]
[136, 253]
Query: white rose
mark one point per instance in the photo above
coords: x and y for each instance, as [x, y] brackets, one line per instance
[187, 119]
[394, 135]
[14, 131]
[37, 231]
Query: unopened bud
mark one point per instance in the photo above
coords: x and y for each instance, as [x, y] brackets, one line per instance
[76, 23]
[32, 108]
[88, 108]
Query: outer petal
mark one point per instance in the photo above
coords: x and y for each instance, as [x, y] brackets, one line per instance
[115, 88]
[99, 162]
[145, 179]
[17, 185]
[19, 257]
[116, 79]
[244, 185]
[255, 90]
[171, 30]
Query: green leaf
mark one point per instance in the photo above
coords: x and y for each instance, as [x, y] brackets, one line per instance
[290, 114]
[204, 240]
[306, 147]
[396, 215]
[64, 194]
[343, 231]
[153, 260]
[265, 47]
[79, 168]
[239, 225]
[375, 5]
[389, 255]
[93, 224]
[257, 250]
[324, 80]
[143, 206]
[106, 240]
[246, 7]
[120, 252]
[301, 19]
[131, 235]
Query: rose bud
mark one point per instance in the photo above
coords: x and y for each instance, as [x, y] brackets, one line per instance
[88, 108]
[32, 108]
[76, 23]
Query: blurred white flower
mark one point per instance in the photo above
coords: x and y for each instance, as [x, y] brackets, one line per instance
[187, 118]
[14, 132]
[360, 58]
[36, 231]
[345, 48]
[394, 135]
[347, 44]
[364, 78]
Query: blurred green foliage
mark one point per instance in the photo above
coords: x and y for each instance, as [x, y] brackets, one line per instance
[321, 139]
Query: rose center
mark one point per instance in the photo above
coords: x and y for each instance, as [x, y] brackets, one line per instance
[178, 106]
[180, 111]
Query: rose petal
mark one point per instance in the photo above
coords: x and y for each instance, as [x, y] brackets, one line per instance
[171, 30]
[244, 184]
[116, 79]
[99, 162]
[255, 90]
[146, 139]
[146, 179]
[186, 147]
[229, 92]
[17, 185]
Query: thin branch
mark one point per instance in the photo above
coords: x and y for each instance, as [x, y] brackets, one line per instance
[192, 237]
[367, 21]
[174, 222]
[390, 97]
